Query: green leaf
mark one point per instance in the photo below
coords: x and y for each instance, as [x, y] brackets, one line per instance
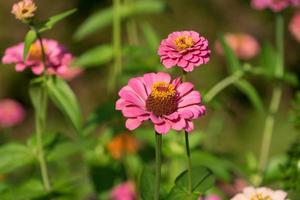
[94, 57]
[29, 40]
[232, 60]
[63, 150]
[178, 194]
[14, 156]
[246, 87]
[267, 59]
[48, 24]
[151, 36]
[202, 180]
[35, 93]
[64, 98]
[146, 186]
[104, 17]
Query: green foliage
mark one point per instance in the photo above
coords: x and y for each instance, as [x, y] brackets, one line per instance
[94, 57]
[30, 38]
[151, 37]
[104, 17]
[64, 98]
[14, 156]
[202, 180]
[48, 24]
[146, 186]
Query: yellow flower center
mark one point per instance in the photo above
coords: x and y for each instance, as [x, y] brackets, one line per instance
[35, 52]
[162, 100]
[260, 196]
[183, 42]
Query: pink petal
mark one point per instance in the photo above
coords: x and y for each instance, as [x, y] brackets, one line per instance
[132, 124]
[162, 128]
[137, 85]
[133, 111]
[184, 88]
[191, 98]
[155, 119]
[189, 126]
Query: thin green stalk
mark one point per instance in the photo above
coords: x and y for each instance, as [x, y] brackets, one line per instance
[41, 121]
[276, 97]
[131, 26]
[117, 47]
[188, 153]
[212, 93]
[158, 138]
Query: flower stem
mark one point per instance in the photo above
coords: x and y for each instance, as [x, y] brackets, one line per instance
[213, 92]
[276, 97]
[188, 153]
[131, 26]
[40, 120]
[158, 138]
[117, 51]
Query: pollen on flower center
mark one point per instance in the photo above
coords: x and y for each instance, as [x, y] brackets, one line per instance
[184, 42]
[162, 100]
[260, 196]
[35, 52]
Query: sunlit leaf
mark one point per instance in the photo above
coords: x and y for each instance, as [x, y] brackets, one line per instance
[14, 156]
[30, 38]
[104, 17]
[48, 24]
[151, 36]
[246, 87]
[64, 98]
[94, 57]
[146, 185]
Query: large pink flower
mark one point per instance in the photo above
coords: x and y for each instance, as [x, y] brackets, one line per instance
[294, 26]
[243, 45]
[275, 5]
[260, 193]
[58, 59]
[169, 104]
[210, 197]
[11, 113]
[124, 191]
[186, 49]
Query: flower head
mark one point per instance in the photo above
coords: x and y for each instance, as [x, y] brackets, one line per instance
[187, 49]
[274, 5]
[123, 144]
[169, 104]
[294, 26]
[24, 9]
[58, 59]
[243, 45]
[124, 191]
[11, 113]
[210, 197]
[261, 193]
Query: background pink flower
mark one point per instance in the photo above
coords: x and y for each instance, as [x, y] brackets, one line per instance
[124, 191]
[260, 193]
[11, 113]
[167, 103]
[186, 49]
[58, 59]
[294, 26]
[210, 197]
[275, 5]
[243, 45]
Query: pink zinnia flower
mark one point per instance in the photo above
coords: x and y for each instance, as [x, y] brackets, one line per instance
[210, 197]
[186, 49]
[24, 9]
[167, 103]
[11, 113]
[294, 26]
[275, 5]
[260, 193]
[243, 45]
[58, 59]
[124, 191]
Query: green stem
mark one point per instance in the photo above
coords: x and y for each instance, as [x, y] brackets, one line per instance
[131, 26]
[158, 138]
[188, 153]
[117, 51]
[41, 121]
[276, 96]
[212, 93]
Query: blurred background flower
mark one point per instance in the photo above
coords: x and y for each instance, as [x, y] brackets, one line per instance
[12, 113]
